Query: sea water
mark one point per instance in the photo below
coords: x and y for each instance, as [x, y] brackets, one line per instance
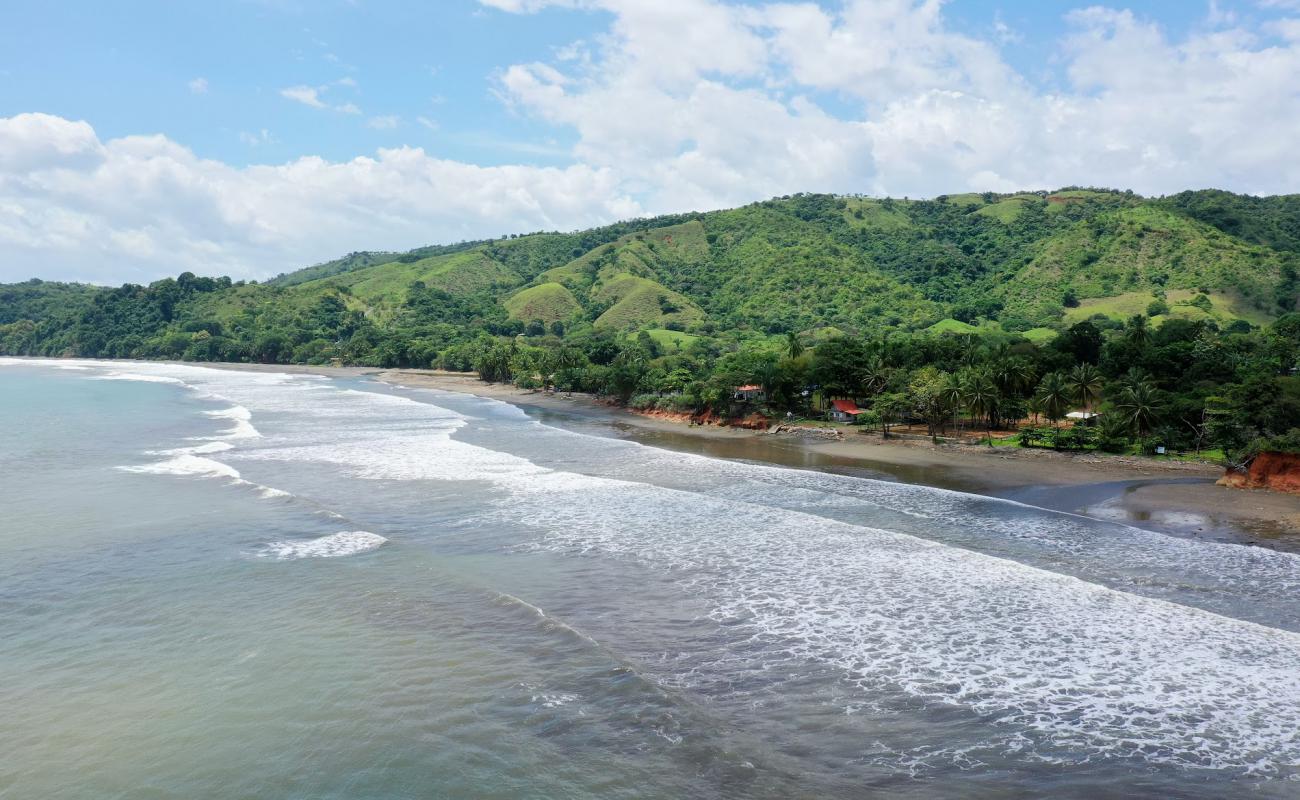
[221, 583]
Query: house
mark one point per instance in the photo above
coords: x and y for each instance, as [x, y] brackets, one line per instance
[750, 394]
[845, 410]
[1088, 418]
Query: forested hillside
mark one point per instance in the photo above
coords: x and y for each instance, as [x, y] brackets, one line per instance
[883, 300]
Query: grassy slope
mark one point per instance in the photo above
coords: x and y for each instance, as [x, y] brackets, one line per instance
[1226, 308]
[671, 341]
[548, 302]
[641, 303]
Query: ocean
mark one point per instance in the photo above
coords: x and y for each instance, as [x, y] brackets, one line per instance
[220, 584]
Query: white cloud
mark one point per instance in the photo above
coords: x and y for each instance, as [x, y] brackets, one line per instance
[306, 95]
[733, 107]
[311, 96]
[199, 86]
[141, 207]
[746, 102]
[383, 123]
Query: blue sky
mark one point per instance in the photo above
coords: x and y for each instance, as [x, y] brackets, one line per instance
[465, 118]
[127, 67]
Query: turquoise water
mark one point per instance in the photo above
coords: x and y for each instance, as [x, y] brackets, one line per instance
[229, 584]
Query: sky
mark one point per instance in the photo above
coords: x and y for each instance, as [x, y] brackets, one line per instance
[251, 137]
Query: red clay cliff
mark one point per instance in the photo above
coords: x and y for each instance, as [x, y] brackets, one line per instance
[1277, 471]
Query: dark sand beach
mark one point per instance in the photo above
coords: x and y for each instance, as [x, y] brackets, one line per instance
[1174, 497]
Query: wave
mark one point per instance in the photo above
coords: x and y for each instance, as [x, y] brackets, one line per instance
[140, 378]
[198, 450]
[187, 465]
[344, 543]
[241, 418]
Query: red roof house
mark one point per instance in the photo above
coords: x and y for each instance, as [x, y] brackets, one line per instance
[845, 410]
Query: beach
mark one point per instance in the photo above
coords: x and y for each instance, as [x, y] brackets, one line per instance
[551, 597]
[1175, 497]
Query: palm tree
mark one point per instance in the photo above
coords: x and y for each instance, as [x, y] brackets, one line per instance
[1139, 406]
[1085, 384]
[1034, 405]
[954, 396]
[982, 398]
[874, 375]
[1139, 331]
[1013, 374]
[793, 347]
[1128, 380]
[1054, 397]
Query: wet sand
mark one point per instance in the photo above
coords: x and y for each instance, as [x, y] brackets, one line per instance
[1179, 498]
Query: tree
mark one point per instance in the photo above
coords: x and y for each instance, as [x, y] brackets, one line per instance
[954, 396]
[929, 399]
[1085, 384]
[793, 347]
[1054, 397]
[1138, 332]
[890, 407]
[1139, 406]
[982, 399]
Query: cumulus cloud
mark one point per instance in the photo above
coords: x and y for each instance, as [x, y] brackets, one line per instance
[73, 206]
[199, 86]
[732, 108]
[745, 102]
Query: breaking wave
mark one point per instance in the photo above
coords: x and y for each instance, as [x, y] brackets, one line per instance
[344, 543]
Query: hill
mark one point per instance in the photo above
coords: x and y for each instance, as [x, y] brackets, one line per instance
[964, 264]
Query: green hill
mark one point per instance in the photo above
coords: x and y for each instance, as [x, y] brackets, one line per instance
[1139, 250]
[548, 302]
[1031, 262]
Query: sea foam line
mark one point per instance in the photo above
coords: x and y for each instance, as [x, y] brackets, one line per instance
[336, 545]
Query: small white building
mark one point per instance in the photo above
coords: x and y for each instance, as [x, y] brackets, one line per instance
[750, 394]
[1083, 417]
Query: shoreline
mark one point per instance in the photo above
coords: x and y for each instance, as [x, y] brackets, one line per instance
[1178, 498]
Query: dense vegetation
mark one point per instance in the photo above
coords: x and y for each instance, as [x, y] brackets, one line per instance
[1174, 317]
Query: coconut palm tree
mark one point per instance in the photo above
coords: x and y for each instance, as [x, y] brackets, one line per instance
[1085, 385]
[954, 396]
[1054, 397]
[1034, 405]
[1139, 406]
[982, 399]
[793, 347]
[1013, 374]
[1138, 332]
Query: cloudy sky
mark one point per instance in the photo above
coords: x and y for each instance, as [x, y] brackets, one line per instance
[142, 139]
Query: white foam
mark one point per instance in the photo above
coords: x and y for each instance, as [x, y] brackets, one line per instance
[140, 378]
[269, 493]
[344, 543]
[1089, 671]
[242, 426]
[187, 465]
[198, 450]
